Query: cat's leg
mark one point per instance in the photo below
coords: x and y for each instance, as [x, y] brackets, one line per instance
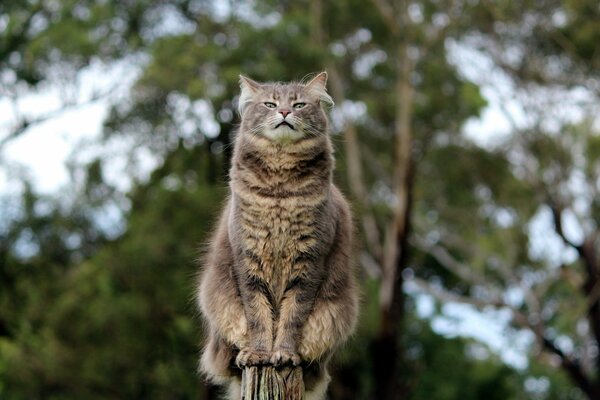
[257, 300]
[222, 306]
[330, 324]
[218, 295]
[295, 307]
[220, 302]
[335, 310]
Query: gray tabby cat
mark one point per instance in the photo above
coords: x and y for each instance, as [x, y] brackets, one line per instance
[277, 285]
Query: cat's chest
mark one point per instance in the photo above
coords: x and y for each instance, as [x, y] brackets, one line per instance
[281, 239]
[278, 231]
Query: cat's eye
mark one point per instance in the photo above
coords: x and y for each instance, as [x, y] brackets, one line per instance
[298, 106]
[268, 104]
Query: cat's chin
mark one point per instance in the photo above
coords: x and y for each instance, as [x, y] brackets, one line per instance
[283, 134]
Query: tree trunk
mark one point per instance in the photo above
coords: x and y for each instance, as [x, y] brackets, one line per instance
[269, 383]
[388, 351]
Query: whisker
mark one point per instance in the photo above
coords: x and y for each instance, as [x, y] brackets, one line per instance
[309, 128]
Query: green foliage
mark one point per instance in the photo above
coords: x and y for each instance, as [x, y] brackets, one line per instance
[40, 34]
[87, 314]
[121, 323]
[448, 371]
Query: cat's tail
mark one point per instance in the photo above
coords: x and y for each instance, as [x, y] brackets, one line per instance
[316, 379]
[216, 365]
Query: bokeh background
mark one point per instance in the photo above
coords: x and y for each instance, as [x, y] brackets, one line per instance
[467, 139]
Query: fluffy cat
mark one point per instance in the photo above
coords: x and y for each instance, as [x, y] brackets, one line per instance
[277, 286]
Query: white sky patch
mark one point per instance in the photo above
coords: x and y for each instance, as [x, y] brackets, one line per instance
[45, 147]
[425, 305]
[493, 126]
[363, 66]
[170, 22]
[197, 116]
[348, 110]
[514, 296]
[545, 244]
[121, 157]
[511, 107]
[41, 152]
[503, 112]
[488, 327]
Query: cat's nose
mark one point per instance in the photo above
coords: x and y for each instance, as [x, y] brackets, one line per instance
[285, 112]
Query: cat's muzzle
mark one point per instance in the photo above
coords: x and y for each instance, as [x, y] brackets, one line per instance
[285, 123]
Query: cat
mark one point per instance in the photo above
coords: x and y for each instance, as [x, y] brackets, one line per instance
[277, 285]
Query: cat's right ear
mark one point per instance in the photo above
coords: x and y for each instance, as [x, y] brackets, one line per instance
[248, 84]
[248, 89]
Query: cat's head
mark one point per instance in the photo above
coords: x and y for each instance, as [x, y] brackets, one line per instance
[284, 112]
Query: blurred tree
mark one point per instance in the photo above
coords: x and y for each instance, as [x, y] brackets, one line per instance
[400, 46]
[448, 360]
[45, 43]
[121, 323]
[530, 225]
[359, 70]
[87, 316]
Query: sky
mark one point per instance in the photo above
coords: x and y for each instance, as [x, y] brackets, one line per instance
[43, 151]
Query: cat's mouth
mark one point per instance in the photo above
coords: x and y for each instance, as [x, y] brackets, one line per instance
[284, 123]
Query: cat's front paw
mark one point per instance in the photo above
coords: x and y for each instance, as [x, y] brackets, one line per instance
[248, 357]
[283, 357]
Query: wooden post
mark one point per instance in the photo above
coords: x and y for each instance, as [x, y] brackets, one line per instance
[269, 383]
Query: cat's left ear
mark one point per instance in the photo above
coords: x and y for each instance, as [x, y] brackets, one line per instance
[317, 85]
[318, 82]
[248, 88]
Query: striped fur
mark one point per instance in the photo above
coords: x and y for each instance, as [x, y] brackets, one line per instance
[277, 285]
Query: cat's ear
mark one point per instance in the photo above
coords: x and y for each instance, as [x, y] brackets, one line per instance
[248, 89]
[318, 86]
[318, 82]
[248, 84]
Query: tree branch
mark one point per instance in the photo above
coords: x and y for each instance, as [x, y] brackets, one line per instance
[558, 226]
[568, 363]
[450, 297]
[370, 265]
[447, 261]
[573, 368]
[394, 250]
